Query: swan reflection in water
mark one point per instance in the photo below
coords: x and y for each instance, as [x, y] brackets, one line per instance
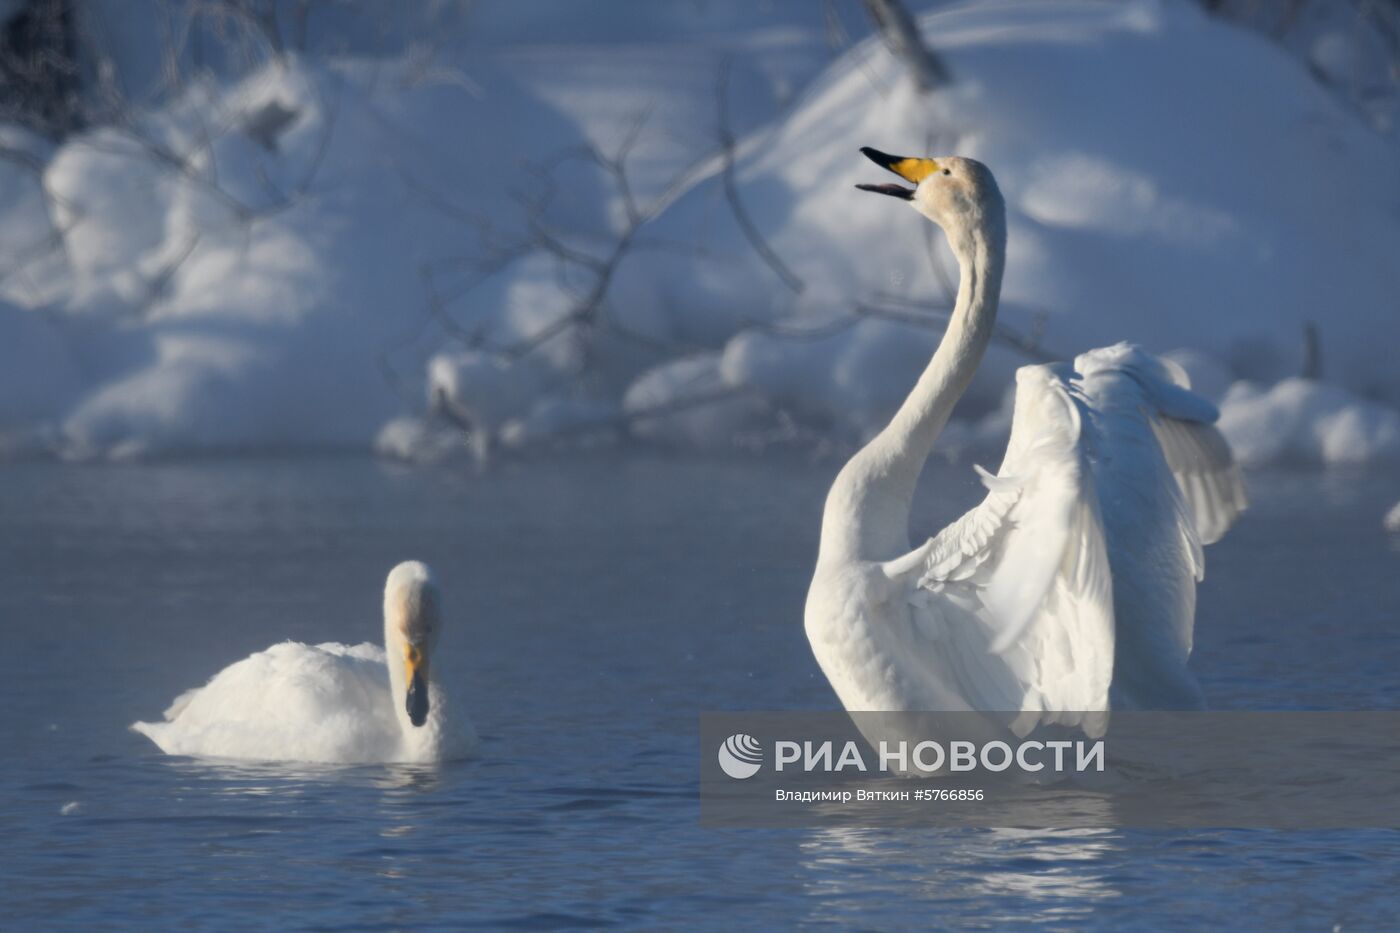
[1066, 872]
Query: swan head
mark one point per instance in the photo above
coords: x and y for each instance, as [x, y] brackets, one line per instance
[954, 192]
[412, 624]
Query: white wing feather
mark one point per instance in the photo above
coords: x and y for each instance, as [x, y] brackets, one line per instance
[1018, 591]
[1183, 424]
[1170, 486]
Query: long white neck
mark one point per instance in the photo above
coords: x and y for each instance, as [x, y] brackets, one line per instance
[867, 510]
[417, 739]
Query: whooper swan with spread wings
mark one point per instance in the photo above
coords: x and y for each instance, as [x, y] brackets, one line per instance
[1072, 586]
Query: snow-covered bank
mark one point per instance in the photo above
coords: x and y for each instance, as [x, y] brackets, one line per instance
[1171, 207]
[373, 252]
[1299, 421]
[263, 294]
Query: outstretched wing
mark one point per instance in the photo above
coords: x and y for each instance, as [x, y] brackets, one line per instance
[1172, 486]
[1017, 593]
[1198, 456]
[1124, 380]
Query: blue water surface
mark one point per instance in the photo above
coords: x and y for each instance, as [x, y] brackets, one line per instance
[596, 607]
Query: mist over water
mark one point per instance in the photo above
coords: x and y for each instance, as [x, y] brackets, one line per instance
[593, 610]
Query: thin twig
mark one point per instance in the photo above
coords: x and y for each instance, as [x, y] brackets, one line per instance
[901, 34]
[731, 190]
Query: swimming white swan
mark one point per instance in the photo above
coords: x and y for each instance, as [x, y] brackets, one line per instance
[1075, 578]
[331, 702]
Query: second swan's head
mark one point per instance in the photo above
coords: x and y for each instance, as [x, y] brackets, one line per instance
[412, 623]
[953, 192]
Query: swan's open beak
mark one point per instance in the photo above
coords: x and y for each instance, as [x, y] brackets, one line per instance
[910, 169]
[416, 676]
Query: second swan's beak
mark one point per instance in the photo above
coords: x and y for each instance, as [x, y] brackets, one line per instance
[416, 676]
[910, 169]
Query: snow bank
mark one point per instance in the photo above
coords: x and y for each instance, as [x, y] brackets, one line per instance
[563, 423]
[689, 403]
[1300, 421]
[1145, 203]
[1169, 206]
[394, 252]
[246, 268]
[416, 440]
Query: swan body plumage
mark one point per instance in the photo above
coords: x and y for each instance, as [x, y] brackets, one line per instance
[329, 702]
[1070, 588]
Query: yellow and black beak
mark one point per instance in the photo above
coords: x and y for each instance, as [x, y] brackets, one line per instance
[910, 169]
[416, 676]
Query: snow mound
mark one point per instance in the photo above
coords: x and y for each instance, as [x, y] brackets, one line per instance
[688, 403]
[419, 441]
[563, 423]
[1301, 421]
[482, 390]
[248, 267]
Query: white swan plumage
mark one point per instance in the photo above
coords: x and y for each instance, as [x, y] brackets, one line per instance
[330, 702]
[1071, 588]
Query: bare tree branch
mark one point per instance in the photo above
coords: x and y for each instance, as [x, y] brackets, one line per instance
[731, 190]
[1312, 352]
[901, 34]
